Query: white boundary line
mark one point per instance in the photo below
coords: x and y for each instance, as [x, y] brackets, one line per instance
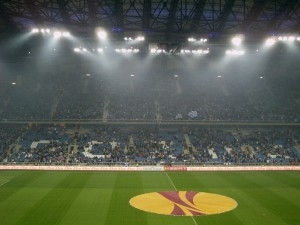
[1, 184]
[171, 181]
[176, 190]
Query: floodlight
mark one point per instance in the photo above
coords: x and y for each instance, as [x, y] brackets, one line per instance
[140, 38]
[66, 34]
[80, 50]
[291, 38]
[191, 39]
[152, 50]
[57, 34]
[100, 50]
[102, 34]
[132, 75]
[237, 40]
[157, 51]
[270, 41]
[35, 30]
[127, 50]
[235, 52]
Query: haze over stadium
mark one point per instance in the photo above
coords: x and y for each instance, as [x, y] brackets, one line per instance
[158, 98]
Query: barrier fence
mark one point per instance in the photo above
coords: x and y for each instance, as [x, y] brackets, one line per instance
[148, 168]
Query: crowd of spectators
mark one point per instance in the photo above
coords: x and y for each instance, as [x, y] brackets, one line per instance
[148, 145]
[244, 146]
[8, 136]
[66, 94]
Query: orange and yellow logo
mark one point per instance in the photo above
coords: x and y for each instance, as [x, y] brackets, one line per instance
[183, 203]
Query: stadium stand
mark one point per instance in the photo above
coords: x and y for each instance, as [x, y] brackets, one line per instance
[112, 145]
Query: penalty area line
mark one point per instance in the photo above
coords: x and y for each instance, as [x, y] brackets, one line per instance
[177, 190]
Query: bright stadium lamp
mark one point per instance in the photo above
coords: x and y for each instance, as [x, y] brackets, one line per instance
[140, 38]
[292, 38]
[35, 30]
[66, 34]
[237, 40]
[270, 41]
[57, 34]
[102, 34]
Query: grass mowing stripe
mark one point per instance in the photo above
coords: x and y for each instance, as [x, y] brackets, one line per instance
[91, 205]
[126, 186]
[280, 188]
[21, 201]
[52, 207]
[281, 204]
[211, 183]
[21, 180]
[153, 181]
[250, 189]
[2, 182]
[287, 179]
[249, 210]
[277, 209]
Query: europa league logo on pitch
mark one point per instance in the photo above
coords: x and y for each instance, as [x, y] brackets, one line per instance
[183, 203]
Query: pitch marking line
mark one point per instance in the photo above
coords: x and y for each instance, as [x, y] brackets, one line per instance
[2, 182]
[176, 190]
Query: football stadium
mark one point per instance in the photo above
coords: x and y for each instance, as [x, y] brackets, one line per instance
[149, 112]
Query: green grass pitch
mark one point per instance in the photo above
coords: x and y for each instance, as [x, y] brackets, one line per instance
[101, 198]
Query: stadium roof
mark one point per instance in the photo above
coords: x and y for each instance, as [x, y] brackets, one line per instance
[158, 20]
